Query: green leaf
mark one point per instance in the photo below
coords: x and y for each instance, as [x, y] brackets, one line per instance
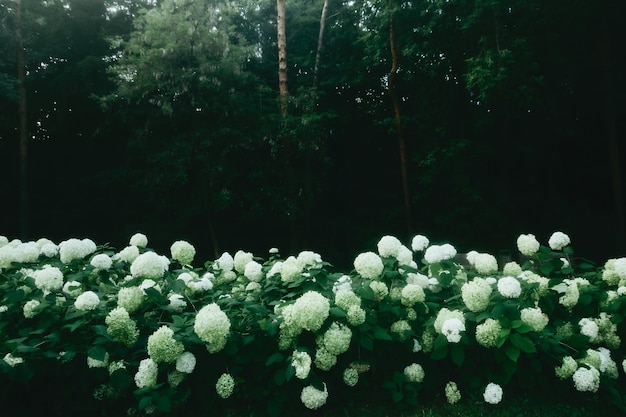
[337, 312]
[144, 402]
[511, 352]
[382, 334]
[397, 396]
[366, 342]
[458, 354]
[275, 358]
[523, 343]
[97, 352]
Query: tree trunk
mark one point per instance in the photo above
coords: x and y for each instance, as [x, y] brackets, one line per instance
[391, 88]
[320, 43]
[282, 59]
[23, 134]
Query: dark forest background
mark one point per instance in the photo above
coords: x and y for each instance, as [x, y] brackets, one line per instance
[467, 121]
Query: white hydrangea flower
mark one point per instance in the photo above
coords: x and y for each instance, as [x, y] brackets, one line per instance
[485, 263]
[290, 269]
[313, 398]
[212, 325]
[350, 377]
[49, 250]
[453, 395]
[146, 375]
[452, 329]
[241, 259]
[438, 253]
[96, 363]
[528, 245]
[476, 294]
[101, 261]
[148, 265]
[414, 373]
[88, 300]
[75, 249]
[48, 279]
[301, 361]
[121, 327]
[586, 379]
[589, 328]
[445, 314]
[308, 312]
[388, 246]
[253, 271]
[419, 243]
[558, 241]
[337, 338]
[405, 257]
[512, 269]
[225, 262]
[29, 308]
[368, 265]
[567, 368]
[307, 259]
[27, 252]
[72, 288]
[535, 318]
[186, 363]
[129, 254]
[412, 294]
[130, 298]
[493, 393]
[344, 283]
[275, 269]
[509, 287]
[138, 240]
[183, 252]
[162, 347]
[488, 333]
[177, 303]
[225, 385]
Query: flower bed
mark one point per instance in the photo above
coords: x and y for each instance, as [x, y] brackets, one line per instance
[141, 332]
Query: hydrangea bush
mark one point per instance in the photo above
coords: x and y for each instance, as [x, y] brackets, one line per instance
[147, 333]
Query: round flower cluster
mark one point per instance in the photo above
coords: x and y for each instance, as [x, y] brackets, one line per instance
[225, 262]
[389, 246]
[484, 263]
[586, 379]
[212, 326]
[290, 269]
[225, 385]
[509, 287]
[146, 375]
[162, 347]
[30, 308]
[186, 363]
[337, 338]
[177, 303]
[48, 279]
[75, 249]
[527, 244]
[368, 265]
[567, 368]
[414, 373]
[453, 395]
[356, 315]
[350, 377]
[313, 398]
[535, 318]
[241, 259]
[139, 240]
[488, 333]
[308, 258]
[512, 269]
[475, 294]
[102, 262]
[88, 300]
[130, 298]
[301, 361]
[97, 363]
[493, 393]
[445, 314]
[452, 329]
[308, 312]
[402, 328]
[121, 327]
[128, 254]
[438, 253]
[346, 298]
[253, 271]
[380, 289]
[324, 360]
[72, 288]
[571, 296]
[183, 252]
[558, 241]
[412, 294]
[589, 328]
[149, 265]
[419, 243]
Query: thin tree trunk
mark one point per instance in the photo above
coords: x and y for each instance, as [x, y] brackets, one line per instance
[23, 134]
[391, 88]
[320, 43]
[282, 59]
